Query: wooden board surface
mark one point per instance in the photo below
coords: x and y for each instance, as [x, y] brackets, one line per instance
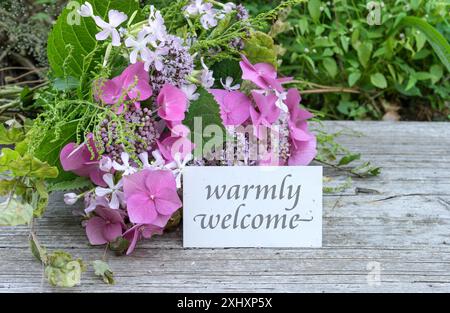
[392, 240]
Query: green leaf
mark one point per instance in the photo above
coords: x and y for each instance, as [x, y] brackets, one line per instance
[440, 45]
[38, 251]
[364, 51]
[119, 246]
[62, 270]
[208, 110]
[66, 84]
[103, 270]
[66, 33]
[76, 184]
[41, 198]
[11, 136]
[50, 149]
[15, 185]
[411, 82]
[227, 68]
[378, 80]
[349, 159]
[28, 166]
[353, 78]
[314, 9]
[436, 72]
[331, 66]
[260, 48]
[7, 156]
[13, 213]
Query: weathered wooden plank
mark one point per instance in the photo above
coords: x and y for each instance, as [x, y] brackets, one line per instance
[403, 226]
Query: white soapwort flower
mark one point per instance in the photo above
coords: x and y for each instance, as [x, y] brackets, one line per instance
[280, 103]
[139, 46]
[156, 58]
[105, 164]
[156, 25]
[190, 92]
[228, 7]
[228, 84]
[209, 19]
[116, 18]
[178, 165]
[114, 190]
[71, 198]
[126, 167]
[86, 10]
[206, 76]
[197, 7]
[159, 162]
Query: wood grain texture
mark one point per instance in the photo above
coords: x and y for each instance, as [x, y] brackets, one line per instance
[404, 228]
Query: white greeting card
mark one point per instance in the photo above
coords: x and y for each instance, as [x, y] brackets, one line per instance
[252, 207]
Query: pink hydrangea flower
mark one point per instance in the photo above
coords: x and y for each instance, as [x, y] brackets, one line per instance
[106, 227]
[171, 145]
[172, 103]
[151, 195]
[132, 84]
[139, 231]
[234, 106]
[303, 152]
[266, 112]
[298, 125]
[83, 160]
[303, 143]
[263, 75]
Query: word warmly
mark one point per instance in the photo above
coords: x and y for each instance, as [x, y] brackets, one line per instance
[252, 207]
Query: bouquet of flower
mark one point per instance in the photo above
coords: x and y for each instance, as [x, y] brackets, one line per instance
[138, 94]
[136, 154]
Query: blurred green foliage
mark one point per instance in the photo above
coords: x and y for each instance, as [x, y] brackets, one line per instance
[373, 70]
[331, 43]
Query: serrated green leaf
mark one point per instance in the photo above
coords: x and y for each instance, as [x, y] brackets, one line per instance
[11, 136]
[260, 48]
[50, 149]
[378, 80]
[103, 270]
[68, 185]
[14, 212]
[208, 110]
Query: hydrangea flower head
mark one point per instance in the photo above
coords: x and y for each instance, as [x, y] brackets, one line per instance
[106, 227]
[132, 84]
[151, 195]
[82, 160]
[234, 106]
